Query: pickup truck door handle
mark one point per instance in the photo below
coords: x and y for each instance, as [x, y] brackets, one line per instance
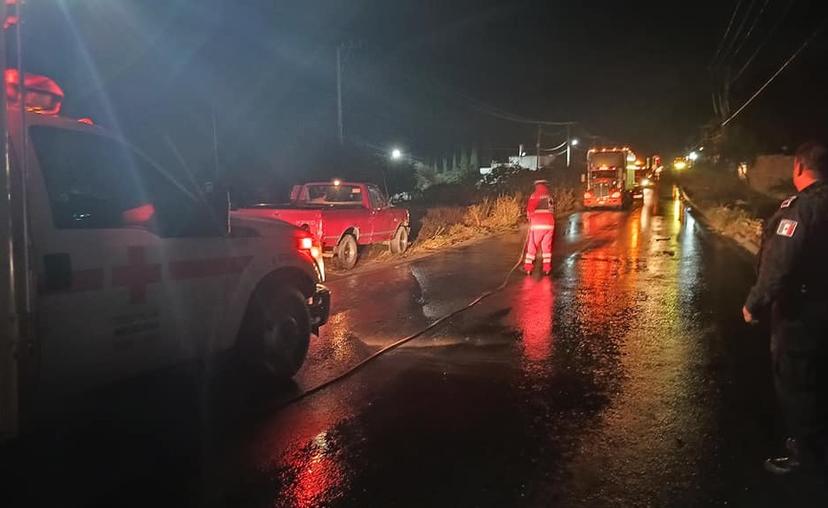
[57, 269]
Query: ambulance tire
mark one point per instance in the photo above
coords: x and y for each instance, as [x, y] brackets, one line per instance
[399, 244]
[276, 333]
[347, 252]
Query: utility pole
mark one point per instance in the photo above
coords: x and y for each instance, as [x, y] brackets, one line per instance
[341, 129]
[537, 148]
[341, 55]
[568, 146]
[215, 141]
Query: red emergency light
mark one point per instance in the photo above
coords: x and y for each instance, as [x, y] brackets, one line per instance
[42, 94]
[11, 19]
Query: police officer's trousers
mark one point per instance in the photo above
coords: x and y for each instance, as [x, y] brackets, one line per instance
[799, 355]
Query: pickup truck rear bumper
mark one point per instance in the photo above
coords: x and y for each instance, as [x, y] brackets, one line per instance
[320, 307]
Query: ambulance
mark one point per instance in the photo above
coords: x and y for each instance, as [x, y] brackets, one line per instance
[113, 267]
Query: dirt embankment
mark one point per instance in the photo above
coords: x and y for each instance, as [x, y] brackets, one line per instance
[441, 226]
[452, 214]
[729, 206]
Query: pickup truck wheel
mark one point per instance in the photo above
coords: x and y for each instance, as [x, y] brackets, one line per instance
[347, 252]
[399, 244]
[276, 333]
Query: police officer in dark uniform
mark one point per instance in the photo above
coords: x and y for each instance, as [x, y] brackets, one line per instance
[792, 289]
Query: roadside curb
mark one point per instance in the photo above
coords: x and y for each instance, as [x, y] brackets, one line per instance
[745, 242]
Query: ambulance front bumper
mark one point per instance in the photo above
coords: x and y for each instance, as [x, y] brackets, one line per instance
[319, 307]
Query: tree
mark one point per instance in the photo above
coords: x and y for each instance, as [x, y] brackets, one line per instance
[474, 160]
[464, 161]
[454, 161]
[445, 165]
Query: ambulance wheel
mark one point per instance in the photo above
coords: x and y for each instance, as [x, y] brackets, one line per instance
[276, 332]
[399, 244]
[347, 252]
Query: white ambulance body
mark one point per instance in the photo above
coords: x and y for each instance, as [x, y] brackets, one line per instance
[131, 271]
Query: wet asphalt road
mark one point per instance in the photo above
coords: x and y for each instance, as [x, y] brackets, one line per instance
[625, 379]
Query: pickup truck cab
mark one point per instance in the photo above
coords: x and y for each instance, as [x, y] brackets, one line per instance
[117, 268]
[343, 216]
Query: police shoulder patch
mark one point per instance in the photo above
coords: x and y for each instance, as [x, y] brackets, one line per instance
[787, 227]
[787, 202]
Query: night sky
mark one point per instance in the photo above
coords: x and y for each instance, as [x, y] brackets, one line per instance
[427, 75]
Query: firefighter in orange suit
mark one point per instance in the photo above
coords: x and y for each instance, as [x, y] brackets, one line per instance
[541, 228]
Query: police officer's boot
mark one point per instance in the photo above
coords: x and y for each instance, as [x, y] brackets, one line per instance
[785, 465]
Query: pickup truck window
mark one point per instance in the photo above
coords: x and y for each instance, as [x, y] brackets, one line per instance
[334, 195]
[377, 198]
[95, 182]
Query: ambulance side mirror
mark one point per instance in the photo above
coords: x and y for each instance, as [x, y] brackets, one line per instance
[218, 207]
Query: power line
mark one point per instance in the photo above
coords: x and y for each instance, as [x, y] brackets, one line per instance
[762, 44]
[793, 57]
[751, 29]
[511, 117]
[730, 45]
[727, 33]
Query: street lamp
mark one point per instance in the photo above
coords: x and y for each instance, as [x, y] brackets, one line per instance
[573, 142]
[693, 156]
[396, 154]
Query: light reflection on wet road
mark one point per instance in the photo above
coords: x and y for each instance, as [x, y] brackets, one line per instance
[625, 379]
[601, 386]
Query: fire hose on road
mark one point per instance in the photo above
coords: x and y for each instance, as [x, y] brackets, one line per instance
[436, 323]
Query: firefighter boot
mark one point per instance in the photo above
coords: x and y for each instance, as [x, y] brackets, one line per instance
[527, 268]
[547, 268]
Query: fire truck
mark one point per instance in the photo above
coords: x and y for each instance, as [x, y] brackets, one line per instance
[610, 177]
[111, 267]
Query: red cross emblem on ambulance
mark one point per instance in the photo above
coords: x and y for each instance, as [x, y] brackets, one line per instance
[136, 275]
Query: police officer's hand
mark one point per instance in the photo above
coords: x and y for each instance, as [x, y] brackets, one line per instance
[748, 316]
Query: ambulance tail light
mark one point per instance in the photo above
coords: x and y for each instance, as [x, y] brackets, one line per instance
[309, 244]
[41, 94]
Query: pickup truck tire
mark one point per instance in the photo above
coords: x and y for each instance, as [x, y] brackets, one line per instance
[399, 244]
[276, 332]
[347, 252]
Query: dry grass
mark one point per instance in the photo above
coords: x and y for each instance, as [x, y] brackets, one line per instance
[450, 225]
[737, 224]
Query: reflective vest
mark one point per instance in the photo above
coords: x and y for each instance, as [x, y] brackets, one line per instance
[541, 210]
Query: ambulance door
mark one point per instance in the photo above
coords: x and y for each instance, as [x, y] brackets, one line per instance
[106, 306]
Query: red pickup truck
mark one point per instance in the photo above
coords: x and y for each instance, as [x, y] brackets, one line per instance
[342, 215]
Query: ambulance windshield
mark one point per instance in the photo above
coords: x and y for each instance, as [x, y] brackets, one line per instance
[96, 182]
